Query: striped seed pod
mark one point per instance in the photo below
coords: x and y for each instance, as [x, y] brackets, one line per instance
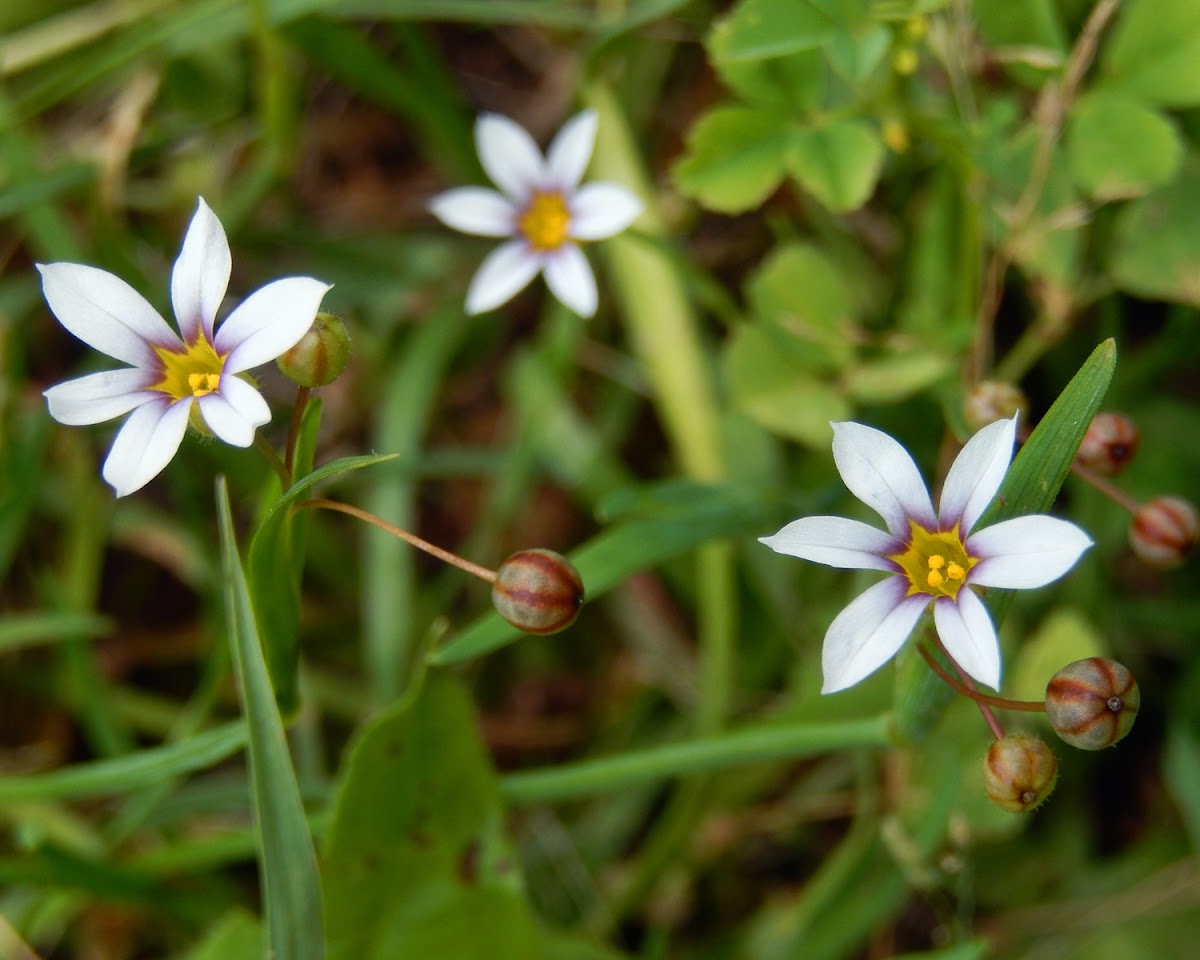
[321, 354]
[538, 591]
[1163, 531]
[1019, 772]
[1109, 444]
[1091, 704]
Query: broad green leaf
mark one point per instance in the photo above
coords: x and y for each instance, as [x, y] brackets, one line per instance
[415, 862]
[291, 884]
[735, 158]
[793, 84]
[892, 378]
[759, 29]
[1030, 486]
[1119, 147]
[238, 936]
[837, 162]
[803, 293]
[770, 382]
[1065, 636]
[695, 515]
[1155, 251]
[1154, 52]
[273, 570]
[1028, 33]
[856, 56]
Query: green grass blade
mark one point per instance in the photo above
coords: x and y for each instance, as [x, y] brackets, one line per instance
[128, 772]
[287, 859]
[708, 514]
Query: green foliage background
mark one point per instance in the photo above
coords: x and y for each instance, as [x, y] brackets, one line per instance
[229, 727]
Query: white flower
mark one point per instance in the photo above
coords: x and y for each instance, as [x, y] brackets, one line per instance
[932, 557]
[542, 207]
[169, 378]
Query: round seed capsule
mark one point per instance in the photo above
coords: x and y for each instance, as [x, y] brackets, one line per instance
[538, 591]
[1109, 444]
[320, 356]
[1163, 531]
[1091, 704]
[1019, 772]
[992, 400]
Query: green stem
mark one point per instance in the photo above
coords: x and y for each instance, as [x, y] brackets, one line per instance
[739, 747]
[263, 446]
[665, 334]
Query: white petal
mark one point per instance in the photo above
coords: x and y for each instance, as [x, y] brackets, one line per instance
[235, 411]
[269, 321]
[100, 396]
[571, 150]
[877, 470]
[1025, 552]
[146, 444]
[509, 155]
[571, 280]
[503, 274]
[477, 210]
[968, 635]
[599, 210]
[106, 313]
[836, 542]
[247, 401]
[868, 633]
[201, 274]
[976, 474]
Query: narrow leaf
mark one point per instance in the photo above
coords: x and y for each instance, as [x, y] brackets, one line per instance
[291, 886]
[273, 572]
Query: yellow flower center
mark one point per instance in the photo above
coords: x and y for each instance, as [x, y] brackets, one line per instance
[194, 373]
[546, 222]
[935, 563]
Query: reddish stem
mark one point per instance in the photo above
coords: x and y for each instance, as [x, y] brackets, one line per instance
[483, 573]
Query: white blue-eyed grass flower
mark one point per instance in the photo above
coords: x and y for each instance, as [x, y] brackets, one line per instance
[932, 557]
[541, 207]
[173, 380]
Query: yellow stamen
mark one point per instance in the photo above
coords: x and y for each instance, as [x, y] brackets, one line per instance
[203, 384]
[546, 222]
[196, 372]
[935, 562]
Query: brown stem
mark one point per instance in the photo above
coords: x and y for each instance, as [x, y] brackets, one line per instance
[483, 573]
[1110, 490]
[1050, 113]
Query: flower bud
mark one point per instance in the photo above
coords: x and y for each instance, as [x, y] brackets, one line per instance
[1091, 704]
[320, 355]
[538, 591]
[1109, 444]
[1019, 772]
[1163, 531]
[992, 400]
